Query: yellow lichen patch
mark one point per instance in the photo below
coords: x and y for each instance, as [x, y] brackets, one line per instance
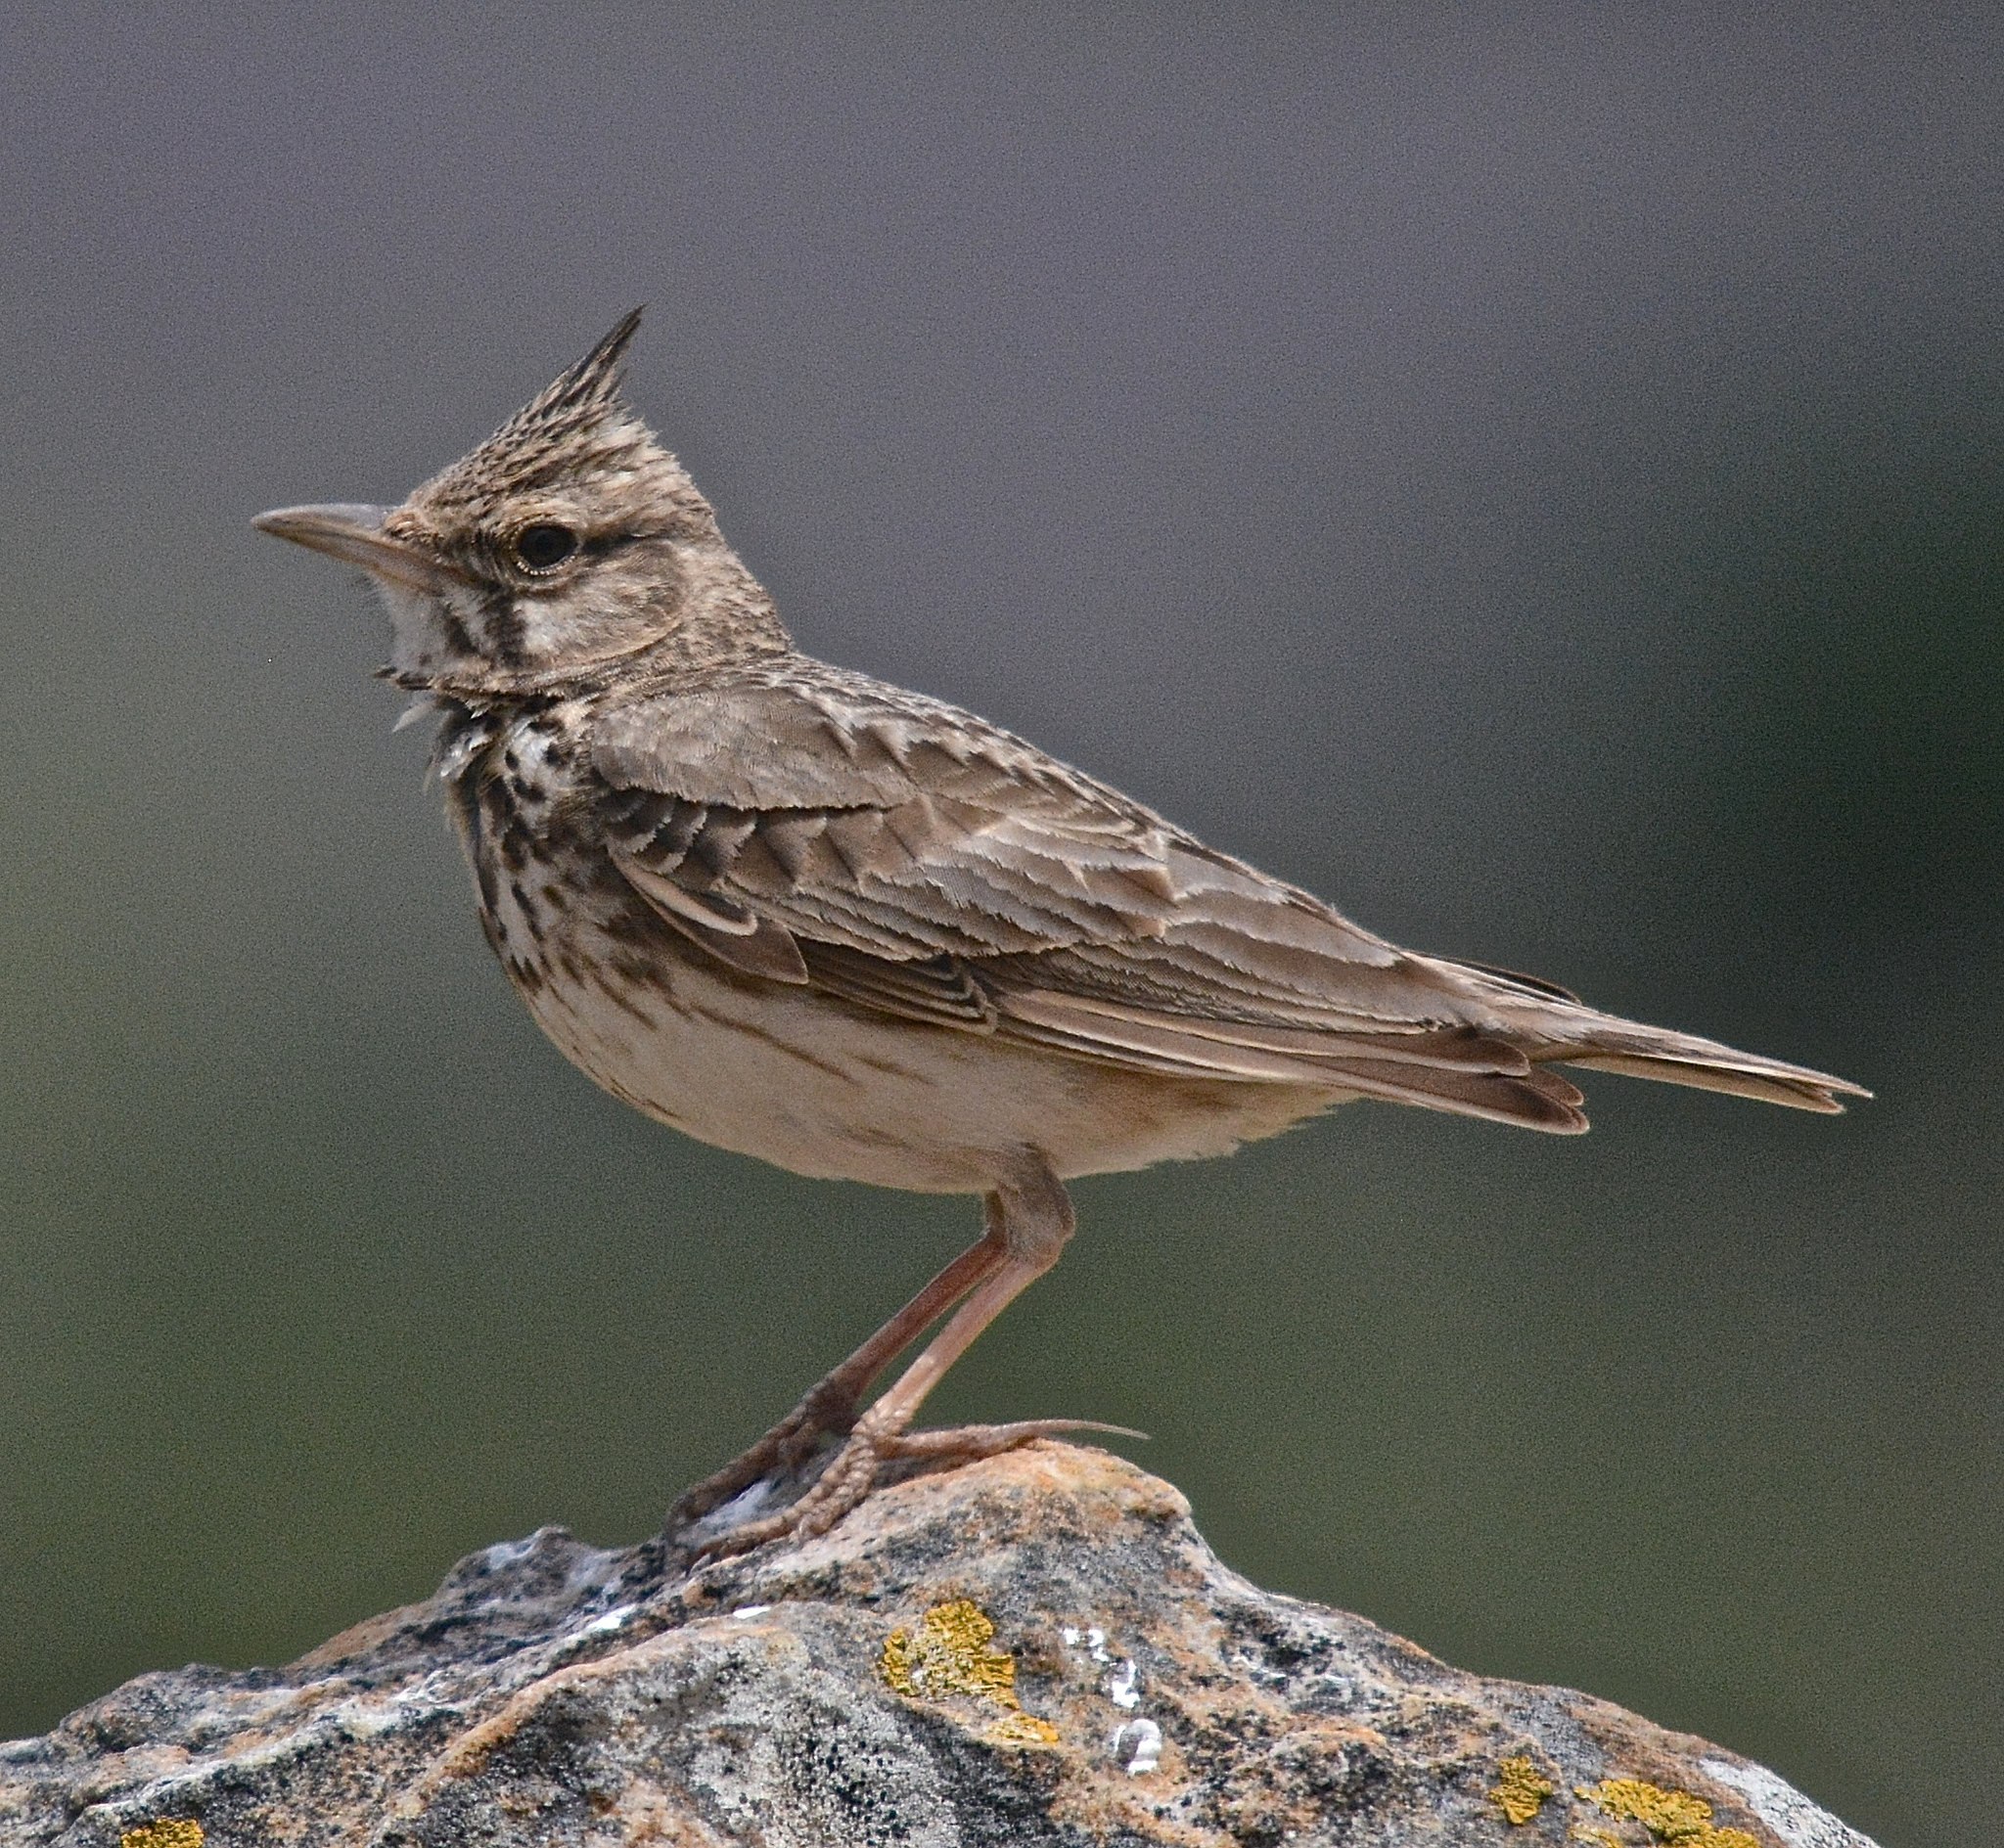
[1670, 1815]
[1021, 1729]
[182, 1834]
[1520, 1792]
[950, 1655]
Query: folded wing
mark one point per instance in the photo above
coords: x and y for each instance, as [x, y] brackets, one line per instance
[915, 861]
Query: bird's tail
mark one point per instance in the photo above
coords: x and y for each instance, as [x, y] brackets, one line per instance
[1706, 1066]
[1555, 1027]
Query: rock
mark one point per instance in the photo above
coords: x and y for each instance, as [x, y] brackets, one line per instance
[1038, 1648]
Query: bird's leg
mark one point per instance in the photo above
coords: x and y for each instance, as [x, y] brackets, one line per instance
[831, 1405]
[1035, 1219]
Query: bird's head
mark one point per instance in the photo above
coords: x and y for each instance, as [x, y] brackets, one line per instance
[568, 540]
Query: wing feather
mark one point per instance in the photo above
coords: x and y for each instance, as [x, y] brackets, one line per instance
[911, 859]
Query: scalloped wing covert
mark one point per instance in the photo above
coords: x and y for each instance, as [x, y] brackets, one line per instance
[830, 831]
[915, 860]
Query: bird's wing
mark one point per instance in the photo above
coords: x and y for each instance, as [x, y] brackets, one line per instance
[916, 860]
[878, 827]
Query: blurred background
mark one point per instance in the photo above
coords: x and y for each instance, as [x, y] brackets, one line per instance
[1537, 481]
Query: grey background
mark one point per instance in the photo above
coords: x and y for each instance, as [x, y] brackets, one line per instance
[1535, 479]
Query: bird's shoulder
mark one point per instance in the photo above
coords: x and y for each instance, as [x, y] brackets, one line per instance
[807, 799]
[799, 733]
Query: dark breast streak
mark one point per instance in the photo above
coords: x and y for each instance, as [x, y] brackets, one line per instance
[552, 905]
[562, 921]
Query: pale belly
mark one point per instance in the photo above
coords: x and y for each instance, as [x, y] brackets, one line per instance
[821, 1088]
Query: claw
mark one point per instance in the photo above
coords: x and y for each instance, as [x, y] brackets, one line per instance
[781, 1452]
[972, 1441]
[851, 1474]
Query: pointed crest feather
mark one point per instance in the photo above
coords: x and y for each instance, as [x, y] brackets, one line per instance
[584, 393]
[578, 421]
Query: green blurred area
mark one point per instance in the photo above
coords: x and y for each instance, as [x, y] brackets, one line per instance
[1637, 626]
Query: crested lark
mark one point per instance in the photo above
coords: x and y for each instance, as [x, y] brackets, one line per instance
[849, 930]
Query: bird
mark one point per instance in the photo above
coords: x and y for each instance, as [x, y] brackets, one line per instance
[814, 918]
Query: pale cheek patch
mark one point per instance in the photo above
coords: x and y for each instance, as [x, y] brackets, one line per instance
[574, 628]
[427, 635]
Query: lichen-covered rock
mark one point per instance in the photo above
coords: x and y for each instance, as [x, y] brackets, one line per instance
[1038, 1648]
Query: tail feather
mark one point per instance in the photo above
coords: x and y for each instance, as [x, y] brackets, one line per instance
[1555, 1028]
[1807, 1091]
[1641, 1052]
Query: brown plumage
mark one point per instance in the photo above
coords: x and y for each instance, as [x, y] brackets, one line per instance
[822, 919]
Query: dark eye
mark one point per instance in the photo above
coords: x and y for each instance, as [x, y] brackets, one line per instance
[544, 546]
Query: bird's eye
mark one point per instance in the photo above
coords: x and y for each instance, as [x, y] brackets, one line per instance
[543, 546]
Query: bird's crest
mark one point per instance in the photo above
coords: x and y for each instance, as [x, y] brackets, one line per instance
[577, 423]
[579, 396]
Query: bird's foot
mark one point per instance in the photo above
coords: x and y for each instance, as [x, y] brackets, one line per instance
[782, 1454]
[853, 1470]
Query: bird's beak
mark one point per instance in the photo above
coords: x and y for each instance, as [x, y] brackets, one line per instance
[354, 533]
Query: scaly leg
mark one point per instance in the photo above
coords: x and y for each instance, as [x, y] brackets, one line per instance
[1034, 1216]
[833, 1404]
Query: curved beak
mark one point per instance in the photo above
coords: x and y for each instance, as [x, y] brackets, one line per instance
[354, 533]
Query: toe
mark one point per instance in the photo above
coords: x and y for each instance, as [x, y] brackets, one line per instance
[972, 1441]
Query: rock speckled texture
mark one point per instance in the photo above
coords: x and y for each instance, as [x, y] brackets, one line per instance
[1034, 1649]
